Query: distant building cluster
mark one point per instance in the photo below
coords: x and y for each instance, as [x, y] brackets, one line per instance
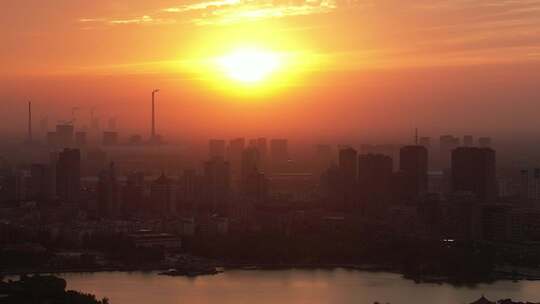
[453, 190]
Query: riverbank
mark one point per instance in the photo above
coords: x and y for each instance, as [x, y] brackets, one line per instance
[500, 274]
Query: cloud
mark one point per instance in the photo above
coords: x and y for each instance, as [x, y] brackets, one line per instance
[90, 20]
[220, 12]
[201, 6]
[435, 29]
[138, 20]
[259, 10]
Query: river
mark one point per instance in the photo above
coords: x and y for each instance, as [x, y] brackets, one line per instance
[337, 286]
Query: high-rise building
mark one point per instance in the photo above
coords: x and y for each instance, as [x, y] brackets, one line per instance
[109, 200]
[217, 182]
[262, 146]
[52, 139]
[191, 192]
[255, 186]
[41, 182]
[323, 158]
[96, 160]
[254, 182]
[133, 193]
[413, 166]
[447, 143]
[384, 149]
[530, 187]
[473, 170]
[15, 186]
[279, 155]
[251, 159]
[163, 196]
[340, 183]
[348, 165]
[374, 181]
[80, 139]
[374, 170]
[236, 147]
[216, 148]
[68, 175]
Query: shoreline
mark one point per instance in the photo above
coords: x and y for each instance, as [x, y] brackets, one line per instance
[427, 278]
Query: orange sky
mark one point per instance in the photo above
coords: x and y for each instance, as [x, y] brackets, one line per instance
[358, 69]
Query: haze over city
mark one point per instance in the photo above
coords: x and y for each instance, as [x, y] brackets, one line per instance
[270, 151]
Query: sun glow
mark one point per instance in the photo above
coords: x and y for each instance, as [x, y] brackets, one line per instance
[249, 65]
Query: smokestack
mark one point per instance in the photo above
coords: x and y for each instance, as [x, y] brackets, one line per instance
[153, 134]
[29, 121]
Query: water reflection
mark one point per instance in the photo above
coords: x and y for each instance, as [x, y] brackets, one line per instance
[288, 286]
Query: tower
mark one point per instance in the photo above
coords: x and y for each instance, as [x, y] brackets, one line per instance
[153, 131]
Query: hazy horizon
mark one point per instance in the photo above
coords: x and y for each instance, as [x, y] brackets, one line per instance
[358, 70]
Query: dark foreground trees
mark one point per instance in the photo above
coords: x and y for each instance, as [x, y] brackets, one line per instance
[43, 290]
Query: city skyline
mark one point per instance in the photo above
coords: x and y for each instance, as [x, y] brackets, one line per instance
[271, 151]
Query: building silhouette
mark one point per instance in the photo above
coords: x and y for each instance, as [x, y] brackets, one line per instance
[254, 182]
[163, 196]
[68, 175]
[251, 160]
[529, 190]
[80, 139]
[191, 193]
[447, 143]
[374, 182]
[109, 199]
[236, 148]
[279, 155]
[473, 170]
[347, 185]
[323, 158]
[262, 147]
[348, 164]
[132, 194]
[41, 182]
[413, 166]
[217, 183]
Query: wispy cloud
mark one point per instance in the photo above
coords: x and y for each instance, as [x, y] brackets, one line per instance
[254, 11]
[144, 19]
[137, 20]
[220, 12]
[201, 6]
[436, 29]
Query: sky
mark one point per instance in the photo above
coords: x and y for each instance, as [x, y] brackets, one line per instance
[368, 70]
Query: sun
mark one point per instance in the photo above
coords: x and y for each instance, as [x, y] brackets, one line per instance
[249, 65]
